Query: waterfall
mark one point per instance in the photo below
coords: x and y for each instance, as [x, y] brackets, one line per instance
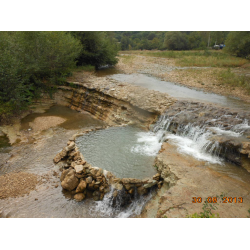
[196, 139]
[106, 207]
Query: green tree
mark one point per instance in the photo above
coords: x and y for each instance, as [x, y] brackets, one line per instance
[194, 40]
[99, 48]
[238, 43]
[175, 40]
[30, 61]
[125, 43]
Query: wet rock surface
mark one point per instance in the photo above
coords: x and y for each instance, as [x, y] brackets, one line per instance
[228, 130]
[185, 178]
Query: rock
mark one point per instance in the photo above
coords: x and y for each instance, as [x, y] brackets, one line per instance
[117, 180]
[245, 148]
[64, 173]
[106, 190]
[96, 198]
[142, 190]
[127, 186]
[60, 156]
[90, 186]
[81, 187]
[56, 186]
[131, 181]
[92, 171]
[156, 176]
[101, 196]
[78, 169]
[150, 184]
[70, 182]
[99, 172]
[79, 196]
[118, 186]
[115, 193]
[70, 147]
[131, 191]
[89, 180]
[96, 193]
[101, 188]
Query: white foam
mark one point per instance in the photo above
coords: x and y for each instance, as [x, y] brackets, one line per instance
[220, 131]
[193, 148]
[147, 144]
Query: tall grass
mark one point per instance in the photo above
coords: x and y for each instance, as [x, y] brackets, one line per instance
[230, 78]
[194, 58]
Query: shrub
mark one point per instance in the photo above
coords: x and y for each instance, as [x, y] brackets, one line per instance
[31, 61]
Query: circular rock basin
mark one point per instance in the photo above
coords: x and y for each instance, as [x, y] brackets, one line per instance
[113, 149]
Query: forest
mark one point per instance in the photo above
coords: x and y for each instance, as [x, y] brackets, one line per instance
[34, 62]
[172, 40]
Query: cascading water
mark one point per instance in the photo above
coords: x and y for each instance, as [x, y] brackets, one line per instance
[192, 138]
[107, 208]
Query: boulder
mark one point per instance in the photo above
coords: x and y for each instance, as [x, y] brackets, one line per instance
[60, 156]
[118, 186]
[81, 187]
[99, 172]
[89, 180]
[78, 169]
[245, 148]
[96, 195]
[79, 197]
[150, 184]
[142, 191]
[90, 186]
[70, 182]
[157, 176]
[70, 147]
[64, 173]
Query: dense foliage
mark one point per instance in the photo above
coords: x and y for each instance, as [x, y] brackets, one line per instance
[172, 40]
[32, 62]
[99, 48]
[238, 43]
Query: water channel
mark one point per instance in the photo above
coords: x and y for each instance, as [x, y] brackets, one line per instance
[180, 92]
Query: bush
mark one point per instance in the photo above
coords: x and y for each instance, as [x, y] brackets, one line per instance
[31, 61]
[238, 43]
[99, 48]
[175, 40]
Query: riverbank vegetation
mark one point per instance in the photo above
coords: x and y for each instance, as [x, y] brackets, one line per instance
[33, 62]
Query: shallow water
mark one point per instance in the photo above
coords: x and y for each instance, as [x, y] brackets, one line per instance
[180, 92]
[114, 149]
[107, 71]
[75, 120]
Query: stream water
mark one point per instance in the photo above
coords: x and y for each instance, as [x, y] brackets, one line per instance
[114, 149]
[180, 92]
